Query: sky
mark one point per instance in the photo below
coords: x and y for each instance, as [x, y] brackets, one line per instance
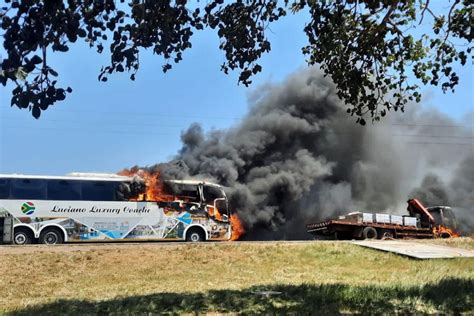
[105, 127]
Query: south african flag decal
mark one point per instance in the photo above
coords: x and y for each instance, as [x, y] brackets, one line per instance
[28, 208]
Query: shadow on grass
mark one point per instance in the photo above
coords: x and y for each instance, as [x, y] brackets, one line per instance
[449, 295]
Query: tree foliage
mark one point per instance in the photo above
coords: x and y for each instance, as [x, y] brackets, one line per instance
[365, 46]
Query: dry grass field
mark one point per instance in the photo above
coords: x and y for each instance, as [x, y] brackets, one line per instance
[324, 277]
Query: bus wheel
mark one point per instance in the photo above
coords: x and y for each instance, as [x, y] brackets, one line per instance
[369, 233]
[51, 236]
[195, 235]
[22, 236]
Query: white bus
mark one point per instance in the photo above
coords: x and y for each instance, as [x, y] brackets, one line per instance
[96, 207]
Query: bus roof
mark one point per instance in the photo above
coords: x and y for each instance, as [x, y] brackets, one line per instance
[99, 177]
[72, 176]
[194, 182]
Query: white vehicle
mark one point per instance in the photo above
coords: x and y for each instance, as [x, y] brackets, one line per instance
[91, 207]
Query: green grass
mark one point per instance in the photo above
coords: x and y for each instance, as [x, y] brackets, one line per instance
[324, 277]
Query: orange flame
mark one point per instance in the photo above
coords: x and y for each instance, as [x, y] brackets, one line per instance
[215, 213]
[154, 187]
[444, 232]
[155, 192]
[237, 227]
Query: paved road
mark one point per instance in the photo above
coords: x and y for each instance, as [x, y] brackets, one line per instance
[416, 249]
[412, 248]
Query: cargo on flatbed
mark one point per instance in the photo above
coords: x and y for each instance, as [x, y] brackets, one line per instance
[421, 222]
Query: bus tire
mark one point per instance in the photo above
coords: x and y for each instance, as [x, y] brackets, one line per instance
[23, 236]
[369, 233]
[51, 236]
[195, 234]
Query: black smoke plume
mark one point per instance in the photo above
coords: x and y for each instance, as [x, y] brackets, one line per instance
[298, 157]
[458, 193]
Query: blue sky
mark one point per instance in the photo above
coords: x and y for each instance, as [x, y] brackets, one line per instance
[105, 127]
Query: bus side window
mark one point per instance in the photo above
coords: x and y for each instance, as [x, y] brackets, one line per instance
[98, 190]
[182, 191]
[64, 190]
[28, 189]
[4, 188]
[189, 192]
[123, 191]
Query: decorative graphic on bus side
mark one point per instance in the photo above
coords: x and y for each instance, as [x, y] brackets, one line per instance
[28, 208]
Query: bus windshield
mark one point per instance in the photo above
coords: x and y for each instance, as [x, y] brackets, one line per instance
[211, 193]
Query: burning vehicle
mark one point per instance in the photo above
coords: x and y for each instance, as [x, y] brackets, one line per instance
[203, 201]
[422, 222]
[135, 205]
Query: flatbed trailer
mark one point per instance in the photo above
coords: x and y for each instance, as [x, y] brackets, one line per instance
[348, 230]
[421, 222]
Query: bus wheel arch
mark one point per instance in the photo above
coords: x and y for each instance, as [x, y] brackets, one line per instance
[23, 235]
[52, 235]
[195, 233]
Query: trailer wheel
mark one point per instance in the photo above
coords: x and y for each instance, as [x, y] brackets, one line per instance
[369, 233]
[388, 235]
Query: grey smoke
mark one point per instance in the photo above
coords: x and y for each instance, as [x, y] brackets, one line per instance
[131, 190]
[298, 157]
[432, 191]
[462, 193]
[458, 193]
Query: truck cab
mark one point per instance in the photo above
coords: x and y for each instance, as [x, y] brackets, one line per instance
[440, 219]
[443, 216]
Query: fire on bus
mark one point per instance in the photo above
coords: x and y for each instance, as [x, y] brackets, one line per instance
[104, 207]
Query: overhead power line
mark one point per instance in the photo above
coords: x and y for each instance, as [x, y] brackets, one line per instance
[440, 143]
[434, 125]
